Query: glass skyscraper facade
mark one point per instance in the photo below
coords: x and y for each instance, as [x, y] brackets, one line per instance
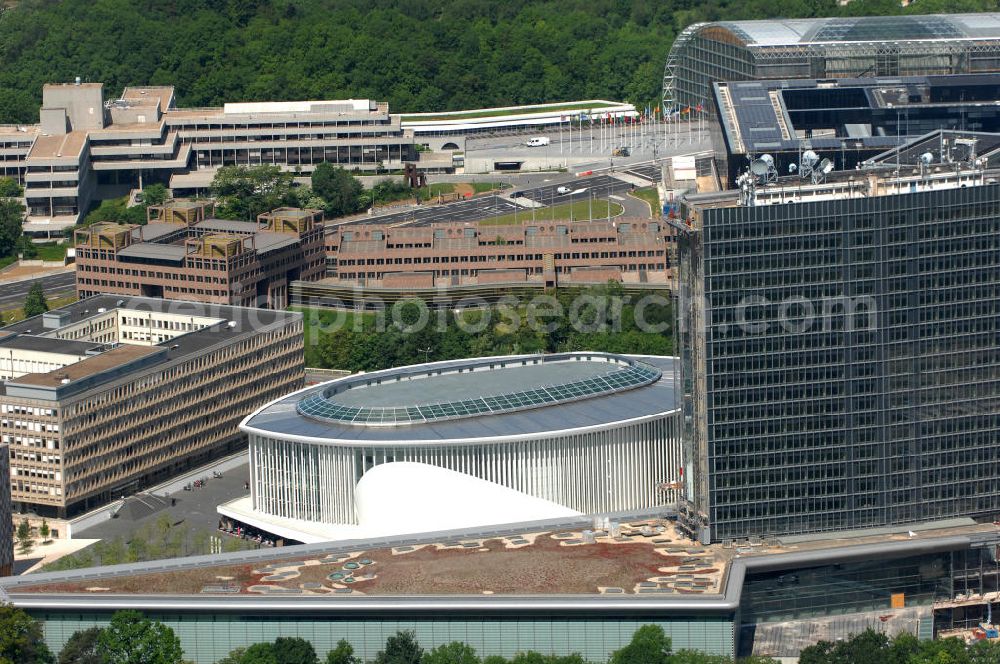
[840, 362]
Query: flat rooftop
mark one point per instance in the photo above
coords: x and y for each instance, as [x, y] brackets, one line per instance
[49, 344]
[645, 558]
[58, 146]
[118, 356]
[164, 94]
[853, 113]
[647, 562]
[235, 324]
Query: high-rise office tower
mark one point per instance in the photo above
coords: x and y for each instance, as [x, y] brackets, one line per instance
[840, 342]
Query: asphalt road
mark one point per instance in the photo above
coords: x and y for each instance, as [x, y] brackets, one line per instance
[12, 295]
[481, 207]
[600, 186]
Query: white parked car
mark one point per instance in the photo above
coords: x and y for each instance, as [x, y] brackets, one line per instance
[563, 190]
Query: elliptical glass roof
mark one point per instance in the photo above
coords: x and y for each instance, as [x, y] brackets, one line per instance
[584, 376]
[777, 32]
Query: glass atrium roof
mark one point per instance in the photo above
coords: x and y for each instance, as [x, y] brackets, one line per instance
[790, 32]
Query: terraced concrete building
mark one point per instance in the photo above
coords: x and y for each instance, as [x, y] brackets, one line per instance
[86, 149]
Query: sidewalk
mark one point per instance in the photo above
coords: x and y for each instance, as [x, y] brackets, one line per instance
[16, 272]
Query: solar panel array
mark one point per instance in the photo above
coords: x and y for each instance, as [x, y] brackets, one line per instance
[633, 375]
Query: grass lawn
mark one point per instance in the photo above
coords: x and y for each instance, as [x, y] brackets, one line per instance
[14, 315]
[51, 252]
[522, 110]
[651, 196]
[431, 191]
[578, 211]
[483, 187]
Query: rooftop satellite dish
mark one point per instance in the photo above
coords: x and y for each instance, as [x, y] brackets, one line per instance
[760, 168]
[767, 159]
[809, 157]
[926, 159]
[825, 166]
[792, 168]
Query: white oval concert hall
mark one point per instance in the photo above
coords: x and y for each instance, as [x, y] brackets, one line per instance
[461, 443]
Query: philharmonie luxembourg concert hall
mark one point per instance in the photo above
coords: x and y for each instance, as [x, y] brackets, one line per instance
[463, 443]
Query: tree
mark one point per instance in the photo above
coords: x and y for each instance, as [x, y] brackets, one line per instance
[401, 648]
[455, 652]
[116, 210]
[44, 531]
[9, 188]
[35, 303]
[649, 645]
[131, 638]
[294, 650]
[81, 648]
[342, 654]
[11, 224]
[21, 638]
[247, 191]
[234, 657]
[259, 653]
[25, 538]
[154, 194]
[338, 188]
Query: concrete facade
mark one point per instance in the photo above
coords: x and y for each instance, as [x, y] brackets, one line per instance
[85, 148]
[163, 387]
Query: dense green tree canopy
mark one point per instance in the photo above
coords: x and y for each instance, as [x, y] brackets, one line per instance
[11, 219]
[649, 645]
[422, 55]
[294, 650]
[597, 318]
[9, 188]
[339, 189]
[131, 638]
[343, 653]
[871, 647]
[81, 648]
[455, 652]
[401, 648]
[21, 638]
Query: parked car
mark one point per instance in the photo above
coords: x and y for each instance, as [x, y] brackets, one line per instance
[563, 190]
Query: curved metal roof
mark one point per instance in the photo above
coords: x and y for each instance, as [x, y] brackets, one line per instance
[654, 396]
[790, 32]
[415, 395]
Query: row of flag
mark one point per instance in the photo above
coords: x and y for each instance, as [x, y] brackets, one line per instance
[649, 113]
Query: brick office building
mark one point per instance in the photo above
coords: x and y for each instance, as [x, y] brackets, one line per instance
[185, 254]
[547, 253]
